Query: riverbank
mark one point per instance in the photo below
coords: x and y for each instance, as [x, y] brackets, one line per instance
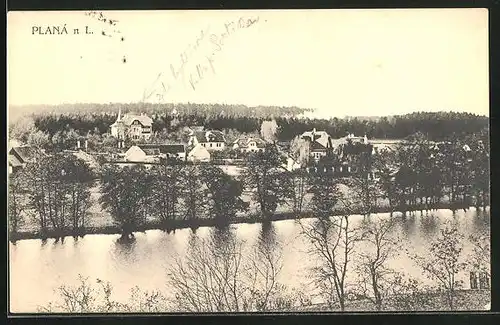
[465, 300]
[110, 229]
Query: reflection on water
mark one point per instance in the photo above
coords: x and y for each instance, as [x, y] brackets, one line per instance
[429, 225]
[40, 266]
[267, 240]
[125, 248]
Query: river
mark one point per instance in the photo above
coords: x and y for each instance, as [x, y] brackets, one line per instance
[37, 268]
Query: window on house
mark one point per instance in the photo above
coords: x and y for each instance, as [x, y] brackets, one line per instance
[210, 145]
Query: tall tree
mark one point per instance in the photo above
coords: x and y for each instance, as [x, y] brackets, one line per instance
[59, 193]
[166, 191]
[385, 166]
[194, 193]
[362, 181]
[265, 175]
[376, 277]
[300, 182]
[225, 194]
[16, 202]
[332, 241]
[124, 191]
[325, 191]
[78, 178]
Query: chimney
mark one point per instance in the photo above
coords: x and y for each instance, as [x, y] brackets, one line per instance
[86, 145]
[78, 144]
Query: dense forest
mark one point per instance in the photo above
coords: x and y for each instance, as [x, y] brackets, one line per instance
[95, 119]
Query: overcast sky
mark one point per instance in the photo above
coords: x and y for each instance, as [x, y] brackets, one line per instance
[340, 62]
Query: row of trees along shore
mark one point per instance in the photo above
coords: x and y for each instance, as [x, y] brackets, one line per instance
[54, 195]
[61, 129]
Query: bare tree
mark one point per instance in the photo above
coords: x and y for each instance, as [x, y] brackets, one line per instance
[225, 278]
[332, 243]
[166, 190]
[86, 297]
[376, 277]
[300, 183]
[442, 263]
[480, 258]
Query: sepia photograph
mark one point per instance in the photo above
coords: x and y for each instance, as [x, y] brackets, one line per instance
[248, 161]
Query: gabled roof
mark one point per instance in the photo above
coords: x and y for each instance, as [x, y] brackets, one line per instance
[128, 119]
[14, 161]
[245, 141]
[316, 146]
[209, 136]
[320, 137]
[151, 151]
[133, 149]
[199, 151]
[26, 153]
[317, 134]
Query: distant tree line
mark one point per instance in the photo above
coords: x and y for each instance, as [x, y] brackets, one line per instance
[59, 130]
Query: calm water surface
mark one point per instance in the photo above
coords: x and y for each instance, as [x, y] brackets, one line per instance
[37, 268]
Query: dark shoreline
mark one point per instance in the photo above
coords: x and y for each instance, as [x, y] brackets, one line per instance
[248, 219]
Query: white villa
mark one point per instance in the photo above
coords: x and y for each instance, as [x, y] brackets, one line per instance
[136, 127]
[212, 140]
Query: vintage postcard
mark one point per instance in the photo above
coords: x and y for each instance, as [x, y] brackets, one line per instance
[248, 161]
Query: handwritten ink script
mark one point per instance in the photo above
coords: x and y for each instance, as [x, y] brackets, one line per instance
[109, 25]
[190, 71]
[100, 17]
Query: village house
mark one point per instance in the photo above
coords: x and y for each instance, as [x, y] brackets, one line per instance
[177, 151]
[132, 126]
[153, 153]
[198, 153]
[20, 156]
[212, 140]
[351, 145]
[249, 144]
[142, 155]
[320, 143]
